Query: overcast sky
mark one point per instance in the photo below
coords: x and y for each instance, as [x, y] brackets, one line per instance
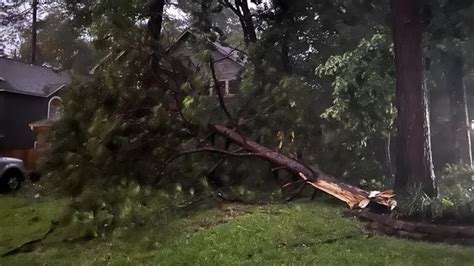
[10, 31]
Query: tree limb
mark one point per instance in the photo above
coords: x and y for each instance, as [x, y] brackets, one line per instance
[211, 150]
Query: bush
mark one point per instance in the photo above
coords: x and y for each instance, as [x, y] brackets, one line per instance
[455, 200]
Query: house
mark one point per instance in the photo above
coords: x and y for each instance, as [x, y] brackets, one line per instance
[28, 93]
[229, 62]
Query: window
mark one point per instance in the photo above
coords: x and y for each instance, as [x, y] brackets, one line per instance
[55, 108]
[223, 86]
[233, 87]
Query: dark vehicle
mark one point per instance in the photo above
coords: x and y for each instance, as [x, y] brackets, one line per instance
[12, 173]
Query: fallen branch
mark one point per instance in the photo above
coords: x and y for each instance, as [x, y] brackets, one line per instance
[210, 150]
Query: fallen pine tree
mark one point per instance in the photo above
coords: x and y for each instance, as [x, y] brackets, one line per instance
[353, 196]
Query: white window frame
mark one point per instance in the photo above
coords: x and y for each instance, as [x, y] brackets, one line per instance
[226, 87]
[49, 104]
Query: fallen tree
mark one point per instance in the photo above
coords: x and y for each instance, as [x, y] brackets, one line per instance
[353, 196]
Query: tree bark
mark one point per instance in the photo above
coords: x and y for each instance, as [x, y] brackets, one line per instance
[156, 18]
[34, 31]
[285, 54]
[251, 35]
[242, 11]
[415, 167]
[461, 137]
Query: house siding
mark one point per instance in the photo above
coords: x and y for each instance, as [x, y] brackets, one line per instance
[17, 111]
[226, 69]
[2, 118]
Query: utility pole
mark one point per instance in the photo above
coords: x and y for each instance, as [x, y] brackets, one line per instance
[33, 32]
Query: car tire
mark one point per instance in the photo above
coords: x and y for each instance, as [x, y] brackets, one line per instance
[11, 181]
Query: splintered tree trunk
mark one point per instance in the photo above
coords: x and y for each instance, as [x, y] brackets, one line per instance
[461, 138]
[353, 196]
[414, 164]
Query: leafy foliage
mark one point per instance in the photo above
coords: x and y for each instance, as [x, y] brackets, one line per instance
[455, 201]
[363, 90]
[362, 112]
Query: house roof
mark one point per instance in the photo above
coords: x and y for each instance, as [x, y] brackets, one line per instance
[229, 52]
[232, 53]
[42, 123]
[22, 78]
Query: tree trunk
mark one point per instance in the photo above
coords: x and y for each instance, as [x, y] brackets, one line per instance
[242, 11]
[415, 167]
[353, 196]
[247, 17]
[34, 31]
[461, 137]
[285, 54]
[156, 18]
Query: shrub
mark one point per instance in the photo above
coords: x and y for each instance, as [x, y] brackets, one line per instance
[455, 200]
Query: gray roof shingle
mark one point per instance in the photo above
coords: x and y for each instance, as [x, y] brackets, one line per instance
[18, 77]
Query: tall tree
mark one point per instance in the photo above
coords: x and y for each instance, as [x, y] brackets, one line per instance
[461, 137]
[415, 167]
[242, 11]
[33, 32]
[156, 18]
[449, 29]
[60, 45]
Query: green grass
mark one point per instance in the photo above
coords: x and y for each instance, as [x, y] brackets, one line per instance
[22, 221]
[302, 233]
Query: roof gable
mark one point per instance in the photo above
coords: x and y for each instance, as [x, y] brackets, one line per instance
[18, 77]
[227, 52]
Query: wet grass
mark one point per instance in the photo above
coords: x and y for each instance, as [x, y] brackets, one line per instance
[301, 233]
[23, 221]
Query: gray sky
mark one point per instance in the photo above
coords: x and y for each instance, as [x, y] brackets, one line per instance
[10, 37]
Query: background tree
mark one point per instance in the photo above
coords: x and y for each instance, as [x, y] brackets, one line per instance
[449, 27]
[60, 45]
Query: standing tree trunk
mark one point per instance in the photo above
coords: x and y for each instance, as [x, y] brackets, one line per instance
[461, 137]
[156, 18]
[414, 164]
[34, 31]
[242, 11]
[247, 22]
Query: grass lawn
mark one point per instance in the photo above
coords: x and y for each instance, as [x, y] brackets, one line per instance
[300, 233]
